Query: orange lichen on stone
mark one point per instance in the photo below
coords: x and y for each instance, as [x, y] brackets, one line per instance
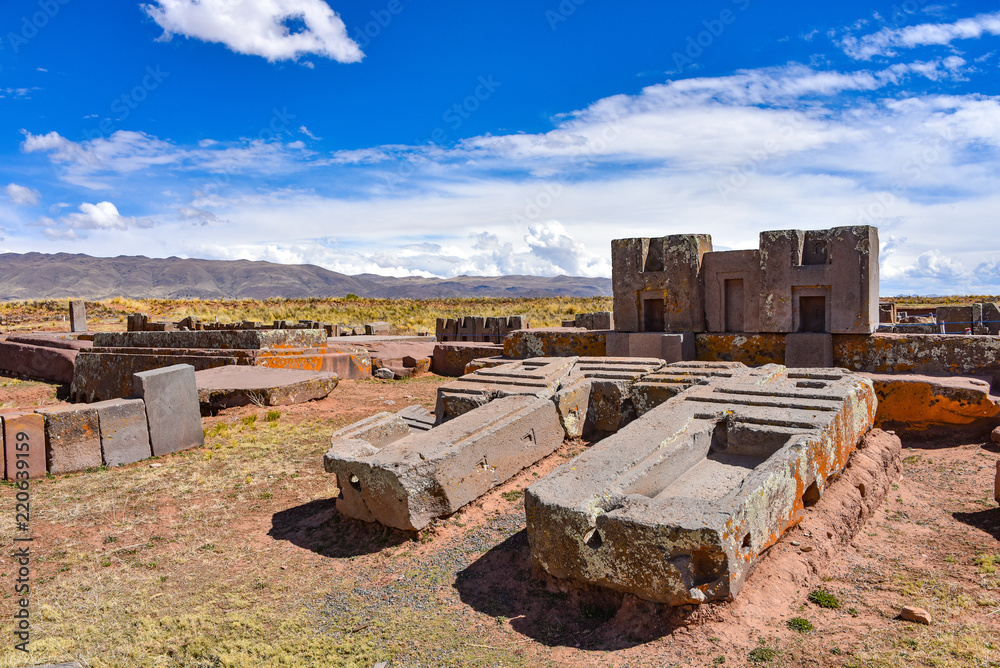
[750, 349]
[918, 402]
[555, 342]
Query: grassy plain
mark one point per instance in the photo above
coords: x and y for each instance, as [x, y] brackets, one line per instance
[406, 315]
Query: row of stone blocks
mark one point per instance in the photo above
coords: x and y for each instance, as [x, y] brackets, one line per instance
[709, 463]
[479, 328]
[598, 320]
[139, 322]
[164, 417]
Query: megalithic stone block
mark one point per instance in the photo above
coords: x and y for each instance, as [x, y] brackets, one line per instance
[678, 506]
[425, 475]
[72, 438]
[77, 316]
[172, 409]
[24, 445]
[124, 431]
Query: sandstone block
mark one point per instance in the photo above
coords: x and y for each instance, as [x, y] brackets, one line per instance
[124, 431]
[72, 438]
[915, 614]
[226, 386]
[172, 409]
[24, 445]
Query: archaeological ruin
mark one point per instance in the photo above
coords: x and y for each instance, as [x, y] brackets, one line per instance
[722, 397]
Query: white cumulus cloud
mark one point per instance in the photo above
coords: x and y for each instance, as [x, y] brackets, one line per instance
[273, 29]
[22, 195]
[100, 216]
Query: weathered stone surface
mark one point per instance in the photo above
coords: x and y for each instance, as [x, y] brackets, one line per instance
[598, 320]
[597, 393]
[106, 372]
[172, 410]
[409, 482]
[50, 363]
[657, 283]
[807, 350]
[996, 485]
[77, 316]
[24, 445]
[227, 386]
[835, 270]
[124, 431]
[674, 347]
[449, 359]
[995, 435]
[750, 349]
[655, 388]
[960, 319]
[915, 404]
[931, 354]
[797, 281]
[677, 507]
[384, 373]
[555, 342]
[236, 339]
[536, 377]
[377, 328]
[72, 438]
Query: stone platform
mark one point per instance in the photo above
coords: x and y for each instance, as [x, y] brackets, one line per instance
[105, 371]
[228, 386]
[678, 506]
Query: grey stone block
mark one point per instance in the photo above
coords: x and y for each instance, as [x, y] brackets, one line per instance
[77, 316]
[808, 350]
[172, 409]
[431, 474]
[72, 438]
[124, 431]
[679, 505]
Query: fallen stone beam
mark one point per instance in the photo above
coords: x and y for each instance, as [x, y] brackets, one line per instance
[678, 506]
[404, 478]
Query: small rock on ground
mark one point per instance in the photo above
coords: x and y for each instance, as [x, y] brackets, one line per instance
[914, 614]
[995, 436]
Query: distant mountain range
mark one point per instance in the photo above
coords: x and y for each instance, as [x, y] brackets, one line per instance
[62, 275]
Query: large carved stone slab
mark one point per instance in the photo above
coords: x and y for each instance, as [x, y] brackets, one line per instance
[678, 506]
[403, 477]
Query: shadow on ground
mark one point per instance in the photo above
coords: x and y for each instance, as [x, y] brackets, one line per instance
[504, 583]
[984, 520]
[318, 527]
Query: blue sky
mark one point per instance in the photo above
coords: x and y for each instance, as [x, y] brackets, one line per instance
[404, 137]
